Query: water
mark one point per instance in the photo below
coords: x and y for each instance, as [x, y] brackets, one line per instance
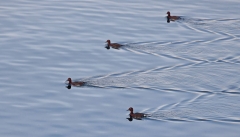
[184, 74]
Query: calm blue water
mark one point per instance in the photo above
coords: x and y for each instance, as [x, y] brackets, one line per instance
[184, 74]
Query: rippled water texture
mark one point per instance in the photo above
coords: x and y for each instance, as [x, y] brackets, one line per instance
[218, 108]
[184, 74]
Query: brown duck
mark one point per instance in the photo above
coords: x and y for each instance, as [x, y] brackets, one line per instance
[172, 18]
[137, 116]
[77, 83]
[113, 45]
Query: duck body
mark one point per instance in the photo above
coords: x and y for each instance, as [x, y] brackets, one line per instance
[77, 83]
[137, 116]
[172, 18]
[113, 45]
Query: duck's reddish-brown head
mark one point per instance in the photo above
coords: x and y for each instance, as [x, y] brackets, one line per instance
[70, 80]
[130, 109]
[108, 45]
[168, 13]
[108, 41]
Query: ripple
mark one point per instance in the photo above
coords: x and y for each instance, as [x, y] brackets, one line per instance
[226, 27]
[194, 78]
[208, 108]
[44, 42]
[191, 51]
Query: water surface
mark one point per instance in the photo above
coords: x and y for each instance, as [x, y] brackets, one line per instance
[184, 73]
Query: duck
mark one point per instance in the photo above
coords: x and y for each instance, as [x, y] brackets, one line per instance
[137, 116]
[172, 18]
[113, 45]
[77, 83]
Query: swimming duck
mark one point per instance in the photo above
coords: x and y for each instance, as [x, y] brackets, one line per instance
[77, 83]
[113, 45]
[172, 18]
[137, 116]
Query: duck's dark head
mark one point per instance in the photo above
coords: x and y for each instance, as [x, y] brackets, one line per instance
[69, 80]
[108, 44]
[168, 13]
[108, 41]
[130, 109]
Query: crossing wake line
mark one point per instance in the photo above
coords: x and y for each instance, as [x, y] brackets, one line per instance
[209, 108]
[210, 78]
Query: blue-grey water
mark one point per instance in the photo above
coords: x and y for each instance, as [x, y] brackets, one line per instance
[183, 74]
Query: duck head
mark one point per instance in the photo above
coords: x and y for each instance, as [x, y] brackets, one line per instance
[168, 13]
[69, 80]
[108, 44]
[108, 41]
[130, 109]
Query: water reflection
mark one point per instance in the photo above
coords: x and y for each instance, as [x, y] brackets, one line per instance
[168, 20]
[130, 118]
[68, 86]
[107, 47]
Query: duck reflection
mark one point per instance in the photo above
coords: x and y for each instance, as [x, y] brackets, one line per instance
[168, 20]
[68, 86]
[130, 118]
[113, 45]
